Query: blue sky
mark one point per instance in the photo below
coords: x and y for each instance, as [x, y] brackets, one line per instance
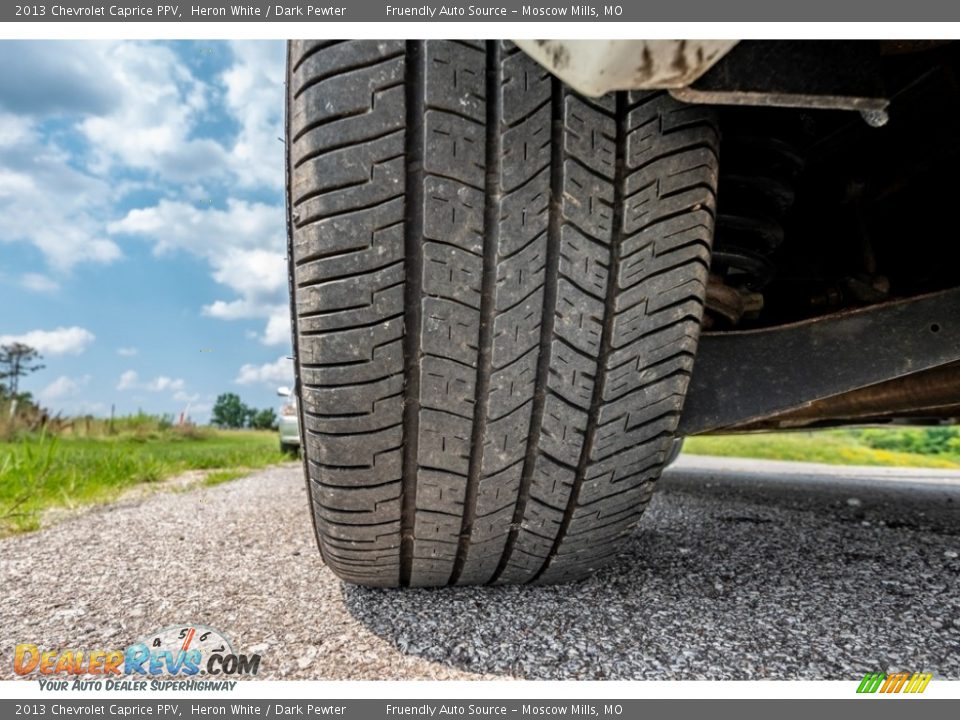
[142, 224]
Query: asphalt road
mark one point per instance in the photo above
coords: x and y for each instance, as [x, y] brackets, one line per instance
[740, 569]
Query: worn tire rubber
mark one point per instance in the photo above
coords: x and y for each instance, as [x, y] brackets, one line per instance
[497, 292]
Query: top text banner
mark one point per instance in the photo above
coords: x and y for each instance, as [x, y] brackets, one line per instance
[484, 11]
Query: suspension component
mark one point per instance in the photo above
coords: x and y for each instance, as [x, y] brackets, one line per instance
[756, 189]
[730, 303]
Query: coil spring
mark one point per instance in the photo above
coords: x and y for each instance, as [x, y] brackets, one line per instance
[757, 176]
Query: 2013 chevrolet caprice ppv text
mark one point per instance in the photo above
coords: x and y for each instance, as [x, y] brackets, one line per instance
[521, 272]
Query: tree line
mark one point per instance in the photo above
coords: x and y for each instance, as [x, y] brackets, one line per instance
[17, 360]
[229, 411]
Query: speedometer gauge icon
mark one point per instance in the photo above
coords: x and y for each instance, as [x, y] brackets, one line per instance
[187, 637]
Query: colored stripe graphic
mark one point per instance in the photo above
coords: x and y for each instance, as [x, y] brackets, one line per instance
[918, 683]
[894, 682]
[870, 683]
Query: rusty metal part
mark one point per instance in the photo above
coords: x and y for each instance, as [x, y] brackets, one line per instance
[746, 376]
[596, 67]
[731, 303]
[929, 393]
[827, 74]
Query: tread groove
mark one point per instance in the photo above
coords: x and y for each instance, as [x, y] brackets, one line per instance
[606, 344]
[488, 288]
[413, 241]
[546, 325]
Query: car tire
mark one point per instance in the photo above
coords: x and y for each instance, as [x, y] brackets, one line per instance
[289, 448]
[497, 287]
[674, 452]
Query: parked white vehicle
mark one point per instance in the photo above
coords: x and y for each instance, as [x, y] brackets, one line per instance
[289, 423]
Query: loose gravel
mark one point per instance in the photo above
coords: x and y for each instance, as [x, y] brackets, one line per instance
[739, 570]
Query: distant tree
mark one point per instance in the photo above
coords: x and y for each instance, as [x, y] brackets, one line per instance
[265, 419]
[229, 411]
[17, 360]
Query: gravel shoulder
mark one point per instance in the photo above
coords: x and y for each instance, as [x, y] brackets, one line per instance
[740, 569]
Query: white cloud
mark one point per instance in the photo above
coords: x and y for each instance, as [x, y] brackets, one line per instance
[49, 197]
[158, 105]
[62, 387]
[14, 130]
[278, 372]
[61, 341]
[185, 397]
[198, 409]
[136, 106]
[36, 282]
[138, 109]
[162, 383]
[127, 351]
[13, 184]
[242, 243]
[128, 380]
[210, 233]
[58, 388]
[74, 76]
[278, 331]
[254, 97]
[47, 201]
[140, 106]
[257, 272]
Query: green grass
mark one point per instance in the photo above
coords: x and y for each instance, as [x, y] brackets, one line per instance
[40, 472]
[835, 447]
[217, 477]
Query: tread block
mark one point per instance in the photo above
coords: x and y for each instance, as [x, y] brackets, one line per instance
[341, 58]
[517, 330]
[587, 201]
[520, 275]
[450, 330]
[453, 273]
[350, 399]
[579, 318]
[456, 78]
[583, 262]
[343, 95]
[453, 213]
[455, 148]
[590, 136]
[513, 385]
[526, 149]
[447, 385]
[505, 441]
[444, 442]
[563, 429]
[525, 87]
[524, 213]
[387, 108]
[350, 344]
[572, 374]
